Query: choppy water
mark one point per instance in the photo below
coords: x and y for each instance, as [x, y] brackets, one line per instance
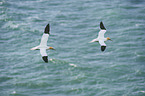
[76, 67]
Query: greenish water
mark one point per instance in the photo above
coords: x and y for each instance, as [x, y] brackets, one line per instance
[76, 67]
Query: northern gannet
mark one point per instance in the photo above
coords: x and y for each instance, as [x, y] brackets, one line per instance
[101, 37]
[43, 44]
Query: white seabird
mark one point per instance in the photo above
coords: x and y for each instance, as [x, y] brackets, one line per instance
[101, 37]
[43, 44]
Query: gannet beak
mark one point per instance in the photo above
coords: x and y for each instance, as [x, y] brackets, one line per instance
[51, 48]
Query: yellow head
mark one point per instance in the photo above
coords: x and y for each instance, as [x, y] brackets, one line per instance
[108, 38]
[51, 48]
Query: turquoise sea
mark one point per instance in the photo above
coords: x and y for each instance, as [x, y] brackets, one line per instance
[76, 67]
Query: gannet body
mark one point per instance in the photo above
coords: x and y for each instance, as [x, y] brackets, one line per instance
[43, 44]
[101, 39]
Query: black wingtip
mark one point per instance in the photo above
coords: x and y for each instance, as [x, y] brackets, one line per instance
[47, 29]
[103, 48]
[45, 58]
[102, 26]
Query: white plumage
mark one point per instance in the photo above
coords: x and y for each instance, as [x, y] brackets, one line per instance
[44, 40]
[101, 39]
[43, 52]
[43, 44]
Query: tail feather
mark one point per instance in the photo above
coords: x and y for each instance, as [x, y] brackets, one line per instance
[94, 40]
[35, 48]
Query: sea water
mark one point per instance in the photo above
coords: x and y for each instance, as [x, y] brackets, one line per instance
[76, 67]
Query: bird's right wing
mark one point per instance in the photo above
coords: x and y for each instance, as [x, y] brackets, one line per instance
[103, 45]
[44, 54]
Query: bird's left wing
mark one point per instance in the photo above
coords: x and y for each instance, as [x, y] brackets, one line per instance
[45, 36]
[102, 27]
[44, 39]
[44, 54]
[47, 29]
[102, 30]
[101, 33]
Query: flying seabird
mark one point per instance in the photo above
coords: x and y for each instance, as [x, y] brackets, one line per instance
[101, 37]
[43, 44]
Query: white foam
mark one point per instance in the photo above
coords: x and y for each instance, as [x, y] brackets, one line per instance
[73, 65]
[142, 91]
[14, 92]
[1, 3]
[11, 25]
[51, 59]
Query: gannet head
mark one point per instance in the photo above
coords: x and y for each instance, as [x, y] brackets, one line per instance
[51, 48]
[108, 38]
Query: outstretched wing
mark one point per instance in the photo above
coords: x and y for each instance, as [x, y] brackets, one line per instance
[45, 36]
[44, 54]
[47, 29]
[44, 39]
[102, 27]
[102, 30]
[101, 33]
[103, 45]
